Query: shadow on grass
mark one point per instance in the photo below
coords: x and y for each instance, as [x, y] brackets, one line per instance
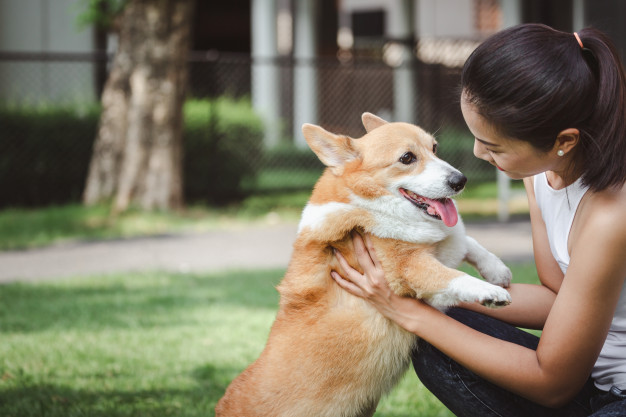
[28, 398]
[50, 400]
[132, 300]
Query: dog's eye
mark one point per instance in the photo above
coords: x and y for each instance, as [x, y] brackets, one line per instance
[408, 158]
[435, 147]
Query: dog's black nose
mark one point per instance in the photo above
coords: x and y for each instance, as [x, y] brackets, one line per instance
[456, 181]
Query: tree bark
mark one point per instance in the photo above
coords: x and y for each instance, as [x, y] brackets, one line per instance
[137, 157]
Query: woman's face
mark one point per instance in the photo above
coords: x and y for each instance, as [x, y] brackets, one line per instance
[516, 158]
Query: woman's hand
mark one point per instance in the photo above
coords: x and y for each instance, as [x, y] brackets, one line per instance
[372, 285]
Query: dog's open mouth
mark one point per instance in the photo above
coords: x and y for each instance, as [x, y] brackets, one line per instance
[441, 208]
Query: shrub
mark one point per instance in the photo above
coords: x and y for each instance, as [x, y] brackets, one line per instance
[286, 168]
[45, 153]
[222, 149]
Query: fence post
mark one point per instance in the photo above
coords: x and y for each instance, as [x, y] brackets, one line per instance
[305, 80]
[404, 87]
[578, 14]
[511, 13]
[265, 72]
[504, 195]
[511, 16]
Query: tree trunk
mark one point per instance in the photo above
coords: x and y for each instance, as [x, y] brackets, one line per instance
[137, 157]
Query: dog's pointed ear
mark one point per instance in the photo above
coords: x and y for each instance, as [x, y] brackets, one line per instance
[371, 121]
[333, 150]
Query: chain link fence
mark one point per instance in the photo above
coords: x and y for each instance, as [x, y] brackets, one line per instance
[49, 113]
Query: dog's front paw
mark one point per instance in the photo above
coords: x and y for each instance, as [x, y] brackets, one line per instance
[469, 289]
[496, 272]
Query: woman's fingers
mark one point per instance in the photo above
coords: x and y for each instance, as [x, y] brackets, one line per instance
[350, 272]
[361, 251]
[366, 255]
[372, 251]
[347, 285]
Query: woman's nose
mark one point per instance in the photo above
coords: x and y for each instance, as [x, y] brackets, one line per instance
[480, 151]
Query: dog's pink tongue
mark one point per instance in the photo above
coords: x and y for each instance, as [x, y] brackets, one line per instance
[446, 210]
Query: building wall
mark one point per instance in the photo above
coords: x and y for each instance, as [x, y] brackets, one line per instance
[432, 18]
[446, 18]
[44, 26]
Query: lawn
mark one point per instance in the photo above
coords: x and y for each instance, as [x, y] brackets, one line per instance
[149, 344]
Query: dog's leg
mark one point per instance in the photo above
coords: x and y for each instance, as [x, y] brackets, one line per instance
[442, 287]
[466, 288]
[487, 264]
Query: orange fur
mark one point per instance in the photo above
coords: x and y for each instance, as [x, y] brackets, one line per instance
[330, 353]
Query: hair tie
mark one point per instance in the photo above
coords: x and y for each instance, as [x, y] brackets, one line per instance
[579, 41]
[588, 55]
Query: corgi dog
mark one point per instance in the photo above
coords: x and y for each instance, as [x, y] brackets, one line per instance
[329, 353]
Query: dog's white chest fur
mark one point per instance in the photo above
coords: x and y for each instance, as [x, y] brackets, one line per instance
[393, 219]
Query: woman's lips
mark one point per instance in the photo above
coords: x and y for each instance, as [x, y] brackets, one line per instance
[499, 168]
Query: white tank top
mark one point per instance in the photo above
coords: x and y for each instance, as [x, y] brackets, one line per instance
[558, 208]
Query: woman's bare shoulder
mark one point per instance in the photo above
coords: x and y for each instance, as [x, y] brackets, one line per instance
[602, 220]
[606, 208]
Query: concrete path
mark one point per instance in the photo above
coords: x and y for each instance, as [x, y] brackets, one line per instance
[241, 248]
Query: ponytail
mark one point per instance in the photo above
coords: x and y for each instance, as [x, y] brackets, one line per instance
[532, 82]
[603, 137]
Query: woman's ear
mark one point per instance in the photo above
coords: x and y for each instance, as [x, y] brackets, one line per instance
[566, 140]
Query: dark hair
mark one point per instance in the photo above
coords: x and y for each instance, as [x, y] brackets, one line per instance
[532, 82]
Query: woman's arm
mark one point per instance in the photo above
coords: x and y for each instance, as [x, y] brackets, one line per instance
[573, 335]
[529, 308]
[548, 269]
[531, 303]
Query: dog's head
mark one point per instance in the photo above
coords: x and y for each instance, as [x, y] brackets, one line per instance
[392, 168]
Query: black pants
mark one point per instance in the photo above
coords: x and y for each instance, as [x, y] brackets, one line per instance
[466, 394]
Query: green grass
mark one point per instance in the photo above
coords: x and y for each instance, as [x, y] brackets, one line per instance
[149, 344]
[21, 228]
[125, 345]
[486, 190]
[285, 179]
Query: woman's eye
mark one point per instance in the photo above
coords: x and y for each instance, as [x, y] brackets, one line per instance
[435, 147]
[408, 158]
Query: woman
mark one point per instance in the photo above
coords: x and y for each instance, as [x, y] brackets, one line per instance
[548, 107]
